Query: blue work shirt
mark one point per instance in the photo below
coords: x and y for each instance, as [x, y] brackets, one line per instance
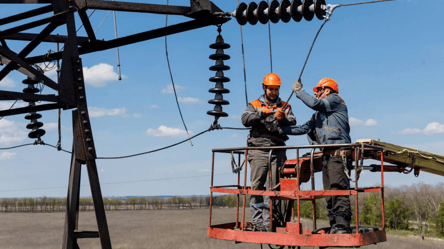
[330, 121]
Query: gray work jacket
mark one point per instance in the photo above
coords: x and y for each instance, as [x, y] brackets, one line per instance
[259, 134]
[330, 122]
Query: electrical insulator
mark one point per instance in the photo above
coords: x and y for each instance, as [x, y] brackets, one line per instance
[34, 125]
[219, 79]
[284, 11]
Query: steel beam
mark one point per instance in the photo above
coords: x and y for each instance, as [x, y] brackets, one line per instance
[45, 80]
[29, 48]
[140, 37]
[6, 95]
[27, 14]
[50, 38]
[138, 7]
[57, 17]
[27, 109]
[87, 25]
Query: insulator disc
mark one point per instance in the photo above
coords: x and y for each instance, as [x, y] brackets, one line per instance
[219, 90]
[218, 56]
[241, 19]
[219, 79]
[262, 6]
[220, 43]
[308, 15]
[31, 90]
[274, 17]
[36, 133]
[219, 68]
[34, 125]
[251, 18]
[217, 113]
[218, 102]
[33, 116]
[297, 17]
[285, 16]
[30, 81]
[319, 12]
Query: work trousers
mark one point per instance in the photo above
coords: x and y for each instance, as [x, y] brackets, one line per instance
[260, 205]
[334, 178]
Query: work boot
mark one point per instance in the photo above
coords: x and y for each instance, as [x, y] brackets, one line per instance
[340, 229]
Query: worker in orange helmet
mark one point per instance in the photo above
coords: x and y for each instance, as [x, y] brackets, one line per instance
[329, 125]
[265, 115]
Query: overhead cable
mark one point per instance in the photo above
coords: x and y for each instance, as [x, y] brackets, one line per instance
[243, 61]
[172, 79]
[117, 48]
[9, 108]
[112, 183]
[269, 42]
[330, 9]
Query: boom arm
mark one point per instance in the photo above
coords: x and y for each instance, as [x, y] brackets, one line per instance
[404, 156]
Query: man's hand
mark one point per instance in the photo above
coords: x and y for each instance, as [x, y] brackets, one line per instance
[280, 116]
[297, 86]
[265, 113]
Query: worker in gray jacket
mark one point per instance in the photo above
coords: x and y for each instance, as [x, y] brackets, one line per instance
[329, 125]
[264, 116]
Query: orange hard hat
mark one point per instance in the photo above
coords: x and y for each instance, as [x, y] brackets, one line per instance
[327, 82]
[272, 79]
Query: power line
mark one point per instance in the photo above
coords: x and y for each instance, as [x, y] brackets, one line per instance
[124, 182]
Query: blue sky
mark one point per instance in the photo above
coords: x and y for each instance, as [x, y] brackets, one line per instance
[388, 59]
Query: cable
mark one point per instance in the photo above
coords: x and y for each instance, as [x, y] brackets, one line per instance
[243, 61]
[117, 48]
[269, 41]
[9, 108]
[377, 1]
[172, 80]
[111, 183]
[102, 22]
[151, 151]
[17, 146]
[327, 18]
[58, 148]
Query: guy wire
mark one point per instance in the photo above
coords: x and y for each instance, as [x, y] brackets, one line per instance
[172, 80]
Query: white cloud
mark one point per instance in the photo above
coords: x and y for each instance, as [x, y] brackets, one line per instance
[154, 106]
[430, 129]
[235, 135]
[100, 75]
[5, 105]
[204, 170]
[169, 88]
[11, 132]
[188, 100]
[137, 115]
[7, 82]
[357, 122]
[164, 131]
[97, 112]
[102, 170]
[7, 155]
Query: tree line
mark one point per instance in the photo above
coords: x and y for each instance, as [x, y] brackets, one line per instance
[417, 207]
[50, 204]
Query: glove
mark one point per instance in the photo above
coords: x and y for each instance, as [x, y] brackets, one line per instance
[265, 113]
[280, 116]
[297, 86]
